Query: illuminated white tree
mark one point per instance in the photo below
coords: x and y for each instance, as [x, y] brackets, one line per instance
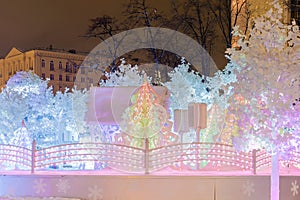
[47, 117]
[181, 85]
[188, 86]
[266, 101]
[124, 75]
[21, 137]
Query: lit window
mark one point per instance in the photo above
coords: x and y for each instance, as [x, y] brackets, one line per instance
[51, 65]
[51, 76]
[43, 63]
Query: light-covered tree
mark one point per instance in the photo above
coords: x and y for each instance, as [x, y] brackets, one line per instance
[21, 137]
[180, 86]
[146, 117]
[47, 117]
[266, 101]
[124, 75]
[187, 86]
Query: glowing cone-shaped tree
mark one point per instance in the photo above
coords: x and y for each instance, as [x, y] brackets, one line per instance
[21, 137]
[266, 102]
[145, 118]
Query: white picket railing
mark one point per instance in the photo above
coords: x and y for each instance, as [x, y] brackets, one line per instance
[99, 156]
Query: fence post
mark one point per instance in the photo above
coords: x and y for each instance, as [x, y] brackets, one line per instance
[146, 156]
[33, 151]
[254, 160]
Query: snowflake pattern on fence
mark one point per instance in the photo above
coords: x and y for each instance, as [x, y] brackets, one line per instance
[95, 193]
[294, 188]
[63, 186]
[39, 186]
[248, 188]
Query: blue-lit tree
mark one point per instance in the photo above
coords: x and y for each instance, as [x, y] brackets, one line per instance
[125, 75]
[266, 101]
[187, 86]
[48, 118]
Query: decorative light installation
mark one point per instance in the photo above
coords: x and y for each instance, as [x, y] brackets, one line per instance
[266, 88]
[145, 118]
[49, 119]
[21, 137]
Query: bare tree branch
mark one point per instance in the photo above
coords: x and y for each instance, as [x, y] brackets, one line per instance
[229, 13]
[194, 19]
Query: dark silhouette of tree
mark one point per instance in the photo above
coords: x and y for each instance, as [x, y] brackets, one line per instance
[228, 14]
[198, 19]
[104, 27]
[193, 18]
[139, 13]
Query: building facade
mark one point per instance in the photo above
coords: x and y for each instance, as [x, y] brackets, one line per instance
[57, 66]
[291, 9]
[244, 11]
[295, 10]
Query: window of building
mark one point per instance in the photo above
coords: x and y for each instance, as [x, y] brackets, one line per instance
[82, 79]
[60, 77]
[91, 80]
[43, 76]
[74, 78]
[43, 63]
[82, 70]
[19, 66]
[60, 65]
[51, 76]
[67, 78]
[295, 11]
[75, 68]
[51, 65]
[68, 68]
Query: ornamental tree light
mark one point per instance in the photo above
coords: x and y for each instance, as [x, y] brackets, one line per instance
[266, 101]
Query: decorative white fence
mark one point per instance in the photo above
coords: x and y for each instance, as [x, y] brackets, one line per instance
[100, 156]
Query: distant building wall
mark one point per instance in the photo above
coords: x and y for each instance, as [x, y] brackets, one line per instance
[59, 67]
[255, 8]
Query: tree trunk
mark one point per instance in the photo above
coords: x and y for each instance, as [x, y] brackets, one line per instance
[275, 177]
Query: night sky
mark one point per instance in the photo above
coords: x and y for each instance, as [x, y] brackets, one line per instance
[28, 24]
